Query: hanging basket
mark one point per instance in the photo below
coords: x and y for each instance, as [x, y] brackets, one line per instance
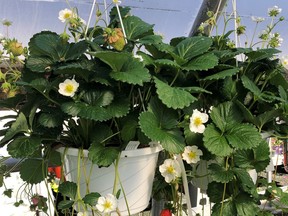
[136, 172]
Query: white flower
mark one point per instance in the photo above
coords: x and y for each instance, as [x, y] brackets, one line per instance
[82, 214]
[138, 57]
[68, 87]
[192, 154]
[275, 40]
[257, 19]
[279, 121]
[274, 11]
[1, 37]
[107, 204]
[170, 170]
[284, 61]
[65, 15]
[196, 121]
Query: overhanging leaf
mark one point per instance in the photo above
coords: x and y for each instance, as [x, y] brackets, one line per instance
[125, 67]
[246, 181]
[24, 146]
[243, 136]
[33, 171]
[101, 155]
[68, 189]
[50, 120]
[261, 156]
[250, 85]
[171, 140]
[19, 126]
[222, 74]
[215, 142]
[135, 27]
[91, 198]
[192, 47]
[225, 116]
[173, 97]
[203, 62]
[219, 174]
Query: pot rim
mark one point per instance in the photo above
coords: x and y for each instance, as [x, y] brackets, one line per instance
[152, 149]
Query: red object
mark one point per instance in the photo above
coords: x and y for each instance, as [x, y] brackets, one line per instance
[56, 170]
[166, 212]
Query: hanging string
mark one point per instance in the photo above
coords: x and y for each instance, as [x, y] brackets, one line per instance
[90, 17]
[106, 11]
[234, 7]
[116, 2]
[185, 184]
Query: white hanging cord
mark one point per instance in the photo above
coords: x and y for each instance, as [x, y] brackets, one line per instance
[106, 11]
[116, 2]
[90, 17]
[185, 184]
[234, 6]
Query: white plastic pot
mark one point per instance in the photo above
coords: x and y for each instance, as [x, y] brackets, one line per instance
[136, 171]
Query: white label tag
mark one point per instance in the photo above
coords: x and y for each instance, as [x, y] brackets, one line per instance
[132, 145]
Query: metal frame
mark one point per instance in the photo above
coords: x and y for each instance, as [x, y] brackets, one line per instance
[207, 5]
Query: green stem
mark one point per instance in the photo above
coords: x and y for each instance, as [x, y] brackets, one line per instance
[224, 190]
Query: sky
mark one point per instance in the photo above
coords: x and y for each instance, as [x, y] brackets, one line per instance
[172, 18]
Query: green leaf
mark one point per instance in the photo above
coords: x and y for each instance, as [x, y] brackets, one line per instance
[171, 140]
[244, 158]
[262, 156]
[68, 189]
[50, 120]
[75, 51]
[222, 75]
[128, 131]
[74, 69]
[150, 39]
[244, 136]
[248, 116]
[166, 63]
[44, 44]
[219, 174]
[65, 204]
[226, 209]
[261, 54]
[192, 47]
[266, 117]
[173, 97]
[19, 126]
[246, 182]
[135, 27]
[283, 93]
[39, 64]
[251, 86]
[125, 67]
[215, 142]
[91, 198]
[24, 146]
[246, 206]
[102, 155]
[225, 116]
[118, 108]
[215, 192]
[203, 62]
[33, 171]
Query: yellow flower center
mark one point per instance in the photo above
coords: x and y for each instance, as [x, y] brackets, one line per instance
[197, 121]
[107, 205]
[69, 88]
[170, 169]
[192, 155]
[67, 15]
